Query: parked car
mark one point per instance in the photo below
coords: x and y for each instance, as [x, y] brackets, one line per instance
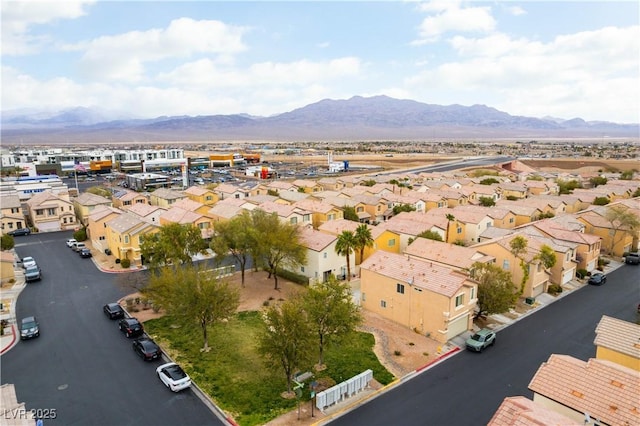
[29, 328]
[173, 376]
[113, 311]
[78, 245]
[19, 232]
[598, 279]
[28, 262]
[130, 327]
[632, 259]
[33, 273]
[481, 340]
[85, 252]
[70, 242]
[147, 349]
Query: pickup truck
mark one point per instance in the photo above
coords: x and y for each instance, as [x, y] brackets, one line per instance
[632, 259]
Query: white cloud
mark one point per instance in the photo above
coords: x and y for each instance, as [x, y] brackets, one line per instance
[19, 16]
[449, 16]
[123, 57]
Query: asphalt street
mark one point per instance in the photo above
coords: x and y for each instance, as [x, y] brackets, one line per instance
[468, 388]
[82, 365]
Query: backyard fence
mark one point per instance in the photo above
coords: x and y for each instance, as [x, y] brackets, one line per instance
[343, 390]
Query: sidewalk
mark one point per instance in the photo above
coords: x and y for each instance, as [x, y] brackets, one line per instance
[8, 297]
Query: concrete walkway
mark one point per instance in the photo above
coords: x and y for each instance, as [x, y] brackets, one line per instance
[8, 297]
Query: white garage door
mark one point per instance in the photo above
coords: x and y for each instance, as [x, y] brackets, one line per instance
[48, 226]
[457, 326]
[568, 275]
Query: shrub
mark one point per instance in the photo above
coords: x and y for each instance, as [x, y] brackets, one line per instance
[581, 273]
[512, 198]
[292, 276]
[397, 353]
[80, 234]
[554, 289]
[7, 242]
[125, 263]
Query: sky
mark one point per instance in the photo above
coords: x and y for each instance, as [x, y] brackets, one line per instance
[562, 59]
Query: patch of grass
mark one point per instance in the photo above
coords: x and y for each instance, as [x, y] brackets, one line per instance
[232, 373]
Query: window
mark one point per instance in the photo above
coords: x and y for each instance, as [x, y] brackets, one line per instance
[459, 230]
[472, 293]
[505, 265]
[127, 203]
[400, 288]
[208, 198]
[360, 209]
[568, 256]
[383, 304]
[101, 238]
[511, 220]
[459, 300]
[302, 269]
[364, 297]
[39, 212]
[237, 195]
[126, 239]
[392, 242]
[293, 220]
[305, 218]
[139, 201]
[324, 255]
[331, 216]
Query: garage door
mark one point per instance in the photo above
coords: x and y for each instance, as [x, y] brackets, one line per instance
[568, 275]
[48, 226]
[457, 326]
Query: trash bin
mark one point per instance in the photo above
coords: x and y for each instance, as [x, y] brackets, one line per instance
[107, 251]
[530, 300]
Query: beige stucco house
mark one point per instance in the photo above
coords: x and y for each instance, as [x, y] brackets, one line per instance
[51, 212]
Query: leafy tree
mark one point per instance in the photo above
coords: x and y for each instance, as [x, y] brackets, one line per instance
[430, 235]
[547, 257]
[489, 181]
[627, 175]
[193, 295]
[369, 182]
[99, 190]
[80, 234]
[621, 218]
[172, 244]
[487, 201]
[276, 243]
[344, 245]
[403, 208]
[301, 189]
[287, 339]
[519, 248]
[7, 242]
[496, 291]
[545, 215]
[236, 236]
[597, 181]
[567, 186]
[349, 213]
[601, 201]
[363, 239]
[331, 311]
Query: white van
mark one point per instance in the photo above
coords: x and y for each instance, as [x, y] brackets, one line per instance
[78, 245]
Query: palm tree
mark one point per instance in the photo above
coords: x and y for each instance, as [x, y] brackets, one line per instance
[450, 218]
[363, 239]
[345, 244]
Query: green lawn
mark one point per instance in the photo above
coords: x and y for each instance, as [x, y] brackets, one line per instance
[234, 375]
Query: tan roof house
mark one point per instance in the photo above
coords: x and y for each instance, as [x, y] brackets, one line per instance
[588, 246]
[618, 341]
[320, 212]
[201, 195]
[500, 248]
[408, 230]
[124, 198]
[50, 212]
[97, 226]
[566, 265]
[450, 255]
[614, 241]
[521, 411]
[524, 213]
[331, 183]
[429, 298]
[166, 197]
[204, 222]
[322, 259]
[11, 214]
[224, 212]
[147, 212]
[475, 222]
[287, 213]
[227, 190]
[123, 237]
[86, 202]
[514, 190]
[371, 208]
[308, 186]
[604, 390]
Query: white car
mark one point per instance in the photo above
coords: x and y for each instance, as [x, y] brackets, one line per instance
[78, 245]
[173, 376]
[28, 262]
[71, 242]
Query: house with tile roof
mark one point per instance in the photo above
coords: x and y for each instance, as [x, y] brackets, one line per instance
[123, 235]
[281, 186]
[431, 299]
[599, 391]
[614, 241]
[321, 212]
[395, 200]
[227, 190]
[322, 259]
[500, 248]
[514, 190]
[166, 197]
[97, 226]
[408, 229]
[12, 216]
[308, 186]
[7, 269]
[204, 222]
[521, 411]
[618, 341]
[565, 251]
[85, 203]
[223, 212]
[450, 255]
[572, 204]
[587, 245]
[125, 198]
[331, 183]
[287, 213]
[474, 221]
[201, 195]
[147, 212]
[541, 187]
[524, 213]
[49, 212]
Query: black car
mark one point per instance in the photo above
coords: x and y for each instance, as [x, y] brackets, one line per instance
[113, 311]
[598, 279]
[29, 328]
[130, 327]
[85, 252]
[147, 349]
[19, 232]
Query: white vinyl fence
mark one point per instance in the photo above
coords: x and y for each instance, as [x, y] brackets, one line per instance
[343, 390]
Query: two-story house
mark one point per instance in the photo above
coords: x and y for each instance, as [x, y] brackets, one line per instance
[124, 198]
[201, 195]
[97, 226]
[85, 203]
[449, 255]
[322, 259]
[588, 246]
[166, 197]
[51, 212]
[123, 237]
[11, 214]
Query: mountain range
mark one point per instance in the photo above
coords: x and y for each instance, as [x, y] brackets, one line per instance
[355, 119]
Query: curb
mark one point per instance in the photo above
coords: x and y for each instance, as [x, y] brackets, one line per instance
[13, 341]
